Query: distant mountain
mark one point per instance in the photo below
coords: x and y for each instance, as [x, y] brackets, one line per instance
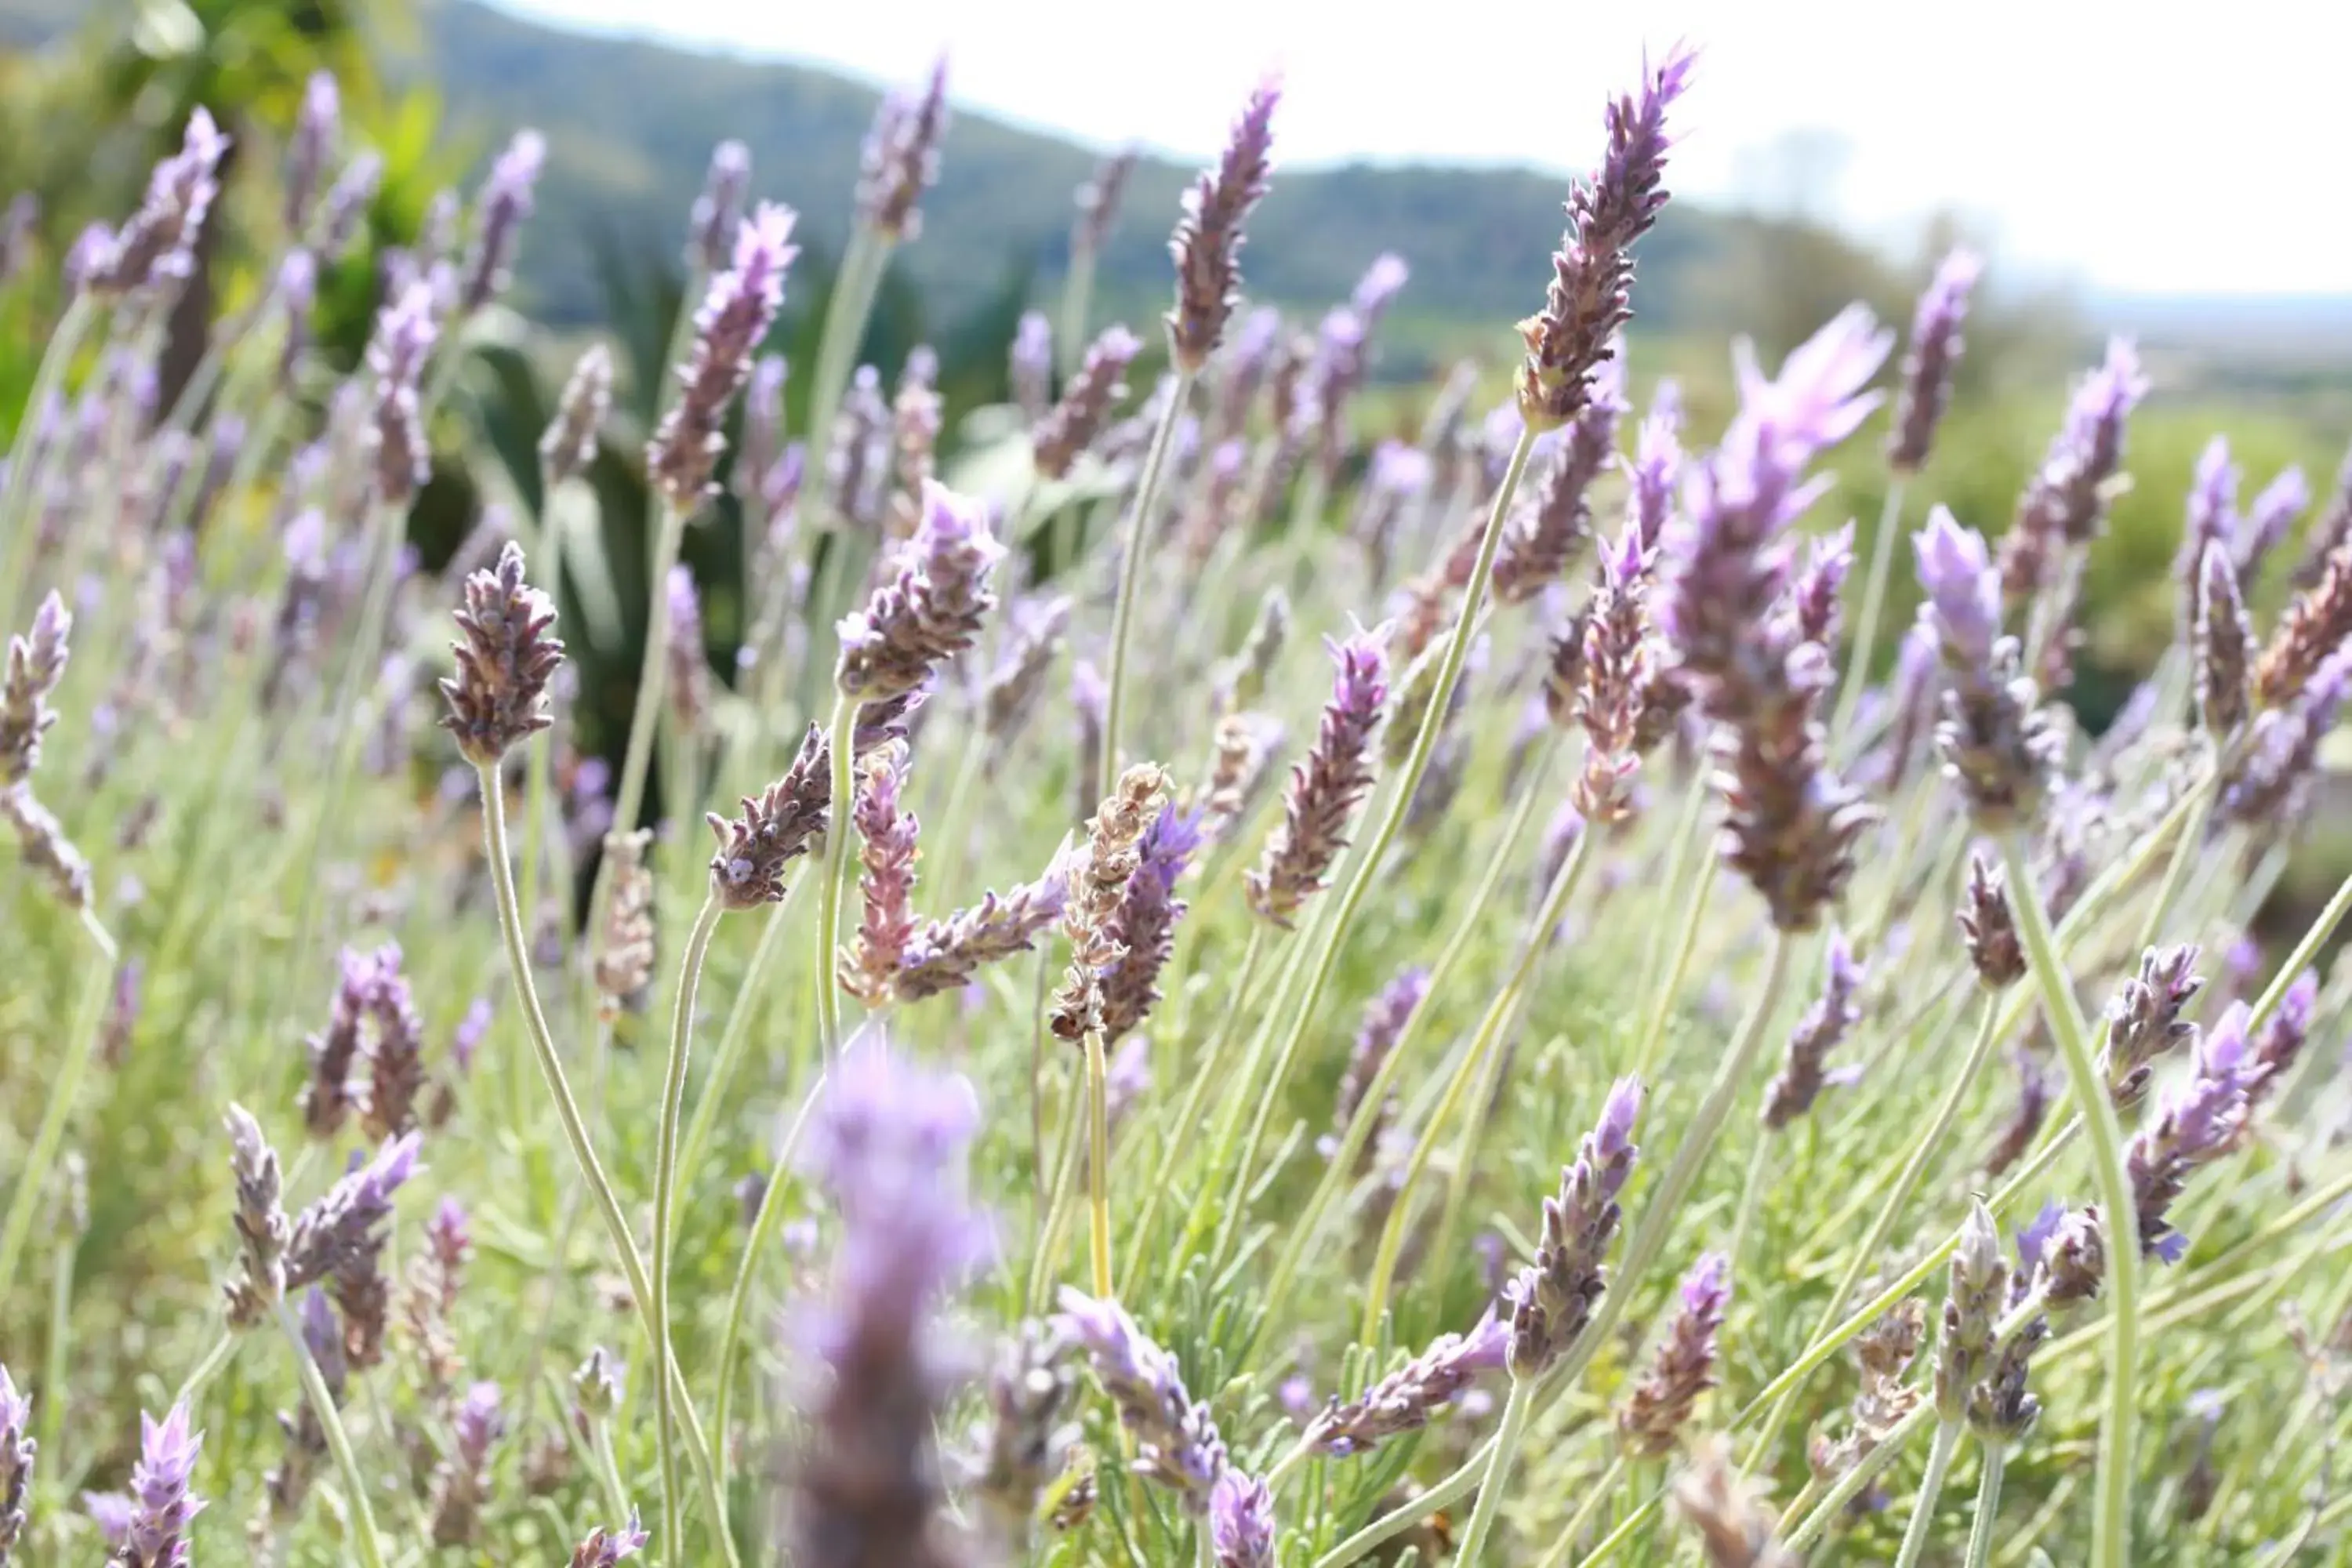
[630, 125]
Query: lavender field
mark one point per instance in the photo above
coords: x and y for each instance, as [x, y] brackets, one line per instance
[1199, 983]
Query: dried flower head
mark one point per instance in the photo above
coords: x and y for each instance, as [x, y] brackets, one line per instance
[1207, 243]
[498, 695]
[624, 963]
[2309, 632]
[1144, 925]
[773, 830]
[1097, 886]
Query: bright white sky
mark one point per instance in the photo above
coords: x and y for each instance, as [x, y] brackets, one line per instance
[2148, 147]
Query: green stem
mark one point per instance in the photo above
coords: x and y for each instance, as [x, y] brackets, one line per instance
[576, 1133]
[2184, 850]
[1339, 1171]
[704, 1122]
[1595, 1496]
[2111, 1528]
[1481, 1045]
[764, 1230]
[1131, 577]
[1498, 1472]
[1662, 1000]
[653, 673]
[1873, 601]
[96, 990]
[1042, 1266]
[16, 527]
[681, 1039]
[842, 731]
[1993, 1457]
[1268, 1086]
[56, 1375]
[1389, 1525]
[1851, 1484]
[339, 1442]
[1931, 1485]
[1881, 1225]
[1211, 1070]
[608, 1470]
[1078, 294]
[2304, 952]
[1744, 1217]
[1098, 1163]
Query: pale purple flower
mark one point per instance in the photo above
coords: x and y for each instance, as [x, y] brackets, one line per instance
[605, 1549]
[736, 312]
[1032, 367]
[1998, 743]
[1407, 1399]
[1814, 593]
[1241, 1521]
[505, 201]
[155, 1528]
[36, 664]
[2212, 518]
[1098, 201]
[2066, 501]
[902, 157]
[1657, 469]
[932, 611]
[1652, 1420]
[17, 1451]
[2269, 519]
[404, 335]
[1326, 787]
[2279, 1044]
[1144, 926]
[347, 203]
[1070, 427]
[1384, 1023]
[317, 126]
[2223, 644]
[505, 660]
[155, 249]
[1927, 366]
[1176, 1439]
[2198, 1123]
[1552, 1298]
[711, 227]
[1962, 587]
[1207, 243]
[1822, 1030]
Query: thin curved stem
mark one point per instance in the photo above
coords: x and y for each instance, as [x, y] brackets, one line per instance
[2111, 1528]
[1078, 294]
[2338, 905]
[1873, 601]
[1498, 1472]
[339, 1442]
[764, 1230]
[1130, 578]
[1662, 1000]
[1931, 1486]
[96, 989]
[1993, 1457]
[1594, 1496]
[1483, 1044]
[681, 1037]
[1098, 1163]
[576, 1133]
[1338, 1172]
[2184, 850]
[700, 1126]
[1881, 1225]
[80, 314]
[1389, 1525]
[843, 738]
[1268, 1085]
[1057, 1209]
[1851, 1484]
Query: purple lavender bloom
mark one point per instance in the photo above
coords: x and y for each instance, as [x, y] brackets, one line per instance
[17, 1451]
[1384, 1019]
[2268, 774]
[2269, 519]
[2199, 1122]
[1241, 1521]
[1145, 923]
[1544, 534]
[1998, 744]
[506, 201]
[719, 210]
[2330, 531]
[932, 611]
[1591, 295]
[1379, 286]
[1552, 1298]
[1032, 367]
[345, 1226]
[396, 355]
[155, 1531]
[506, 659]
[889, 1146]
[1822, 1030]
[347, 203]
[2223, 644]
[1407, 1399]
[2278, 1046]
[605, 1549]
[1814, 596]
[1176, 1439]
[2066, 501]
[1207, 243]
[1098, 202]
[1657, 469]
[35, 663]
[155, 249]
[1652, 1420]
[1069, 428]
[17, 224]
[2212, 518]
[902, 157]
[1927, 367]
[569, 445]
[1963, 592]
[945, 954]
[317, 128]
[737, 310]
[1326, 787]
[773, 830]
[2145, 1020]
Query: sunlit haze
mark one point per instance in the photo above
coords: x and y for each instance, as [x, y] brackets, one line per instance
[2112, 143]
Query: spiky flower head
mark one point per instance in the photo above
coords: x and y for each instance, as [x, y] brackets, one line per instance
[1822, 1030]
[1098, 201]
[499, 695]
[2270, 518]
[737, 310]
[1590, 299]
[2144, 1021]
[1407, 1399]
[406, 331]
[2213, 519]
[947, 953]
[606, 1548]
[1552, 1298]
[2198, 1122]
[773, 828]
[1383, 1023]
[569, 445]
[155, 1534]
[1326, 786]
[711, 225]
[1979, 1293]
[36, 664]
[262, 1228]
[155, 249]
[1071, 425]
[2279, 1042]
[932, 610]
[2066, 501]
[1989, 927]
[902, 157]
[1928, 365]
[17, 1451]
[887, 848]
[505, 201]
[1176, 1438]
[1999, 744]
[318, 127]
[344, 1228]
[2224, 647]
[1736, 1526]
[1099, 879]
[1144, 925]
[1541, 540]
[1207, 244]
[1652, 1420]
[1241, 1521]
[2310, 630]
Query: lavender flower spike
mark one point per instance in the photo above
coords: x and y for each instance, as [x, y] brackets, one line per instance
[498, 695]
[932, 611]
[2270, 518]
[711, 230]
[1652, 1420]
[1927, 366]
[1552, 1298]
[35, 663]
[902, 157]
[1325, 788]
[1144, 926]
[317, 128]
[1031, 365]
[1071, 427]
[1656, 471]
[506, 202]
[17, 1451]
[1208, 239]
[1406, 1399]
[1176, 1439]
[2213, 519]
[736, 312]
[1384, 1019]
[1593, 272]
[773, 830]
[161, 1506]
[1241, 1521]
[396, 354]
[1996, 742]
[2200, 1122]
[605, 1549]
[569, 445]
[1824, 1026]
[945, 954]
[2067, 502]
[156, 248]
[2224, 647]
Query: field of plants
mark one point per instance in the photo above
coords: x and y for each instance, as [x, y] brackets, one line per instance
[1195, 989]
